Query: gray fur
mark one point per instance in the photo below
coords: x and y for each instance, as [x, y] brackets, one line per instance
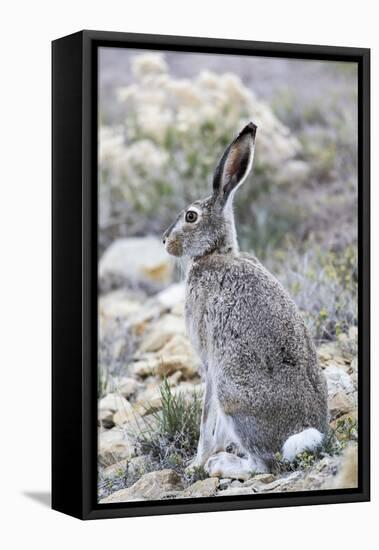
[263, 381]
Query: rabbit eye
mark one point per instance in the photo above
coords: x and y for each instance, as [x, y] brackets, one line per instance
[191, 216]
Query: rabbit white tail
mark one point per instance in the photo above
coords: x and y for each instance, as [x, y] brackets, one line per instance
[307, 440]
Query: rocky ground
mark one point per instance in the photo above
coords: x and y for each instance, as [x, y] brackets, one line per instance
[142, 343]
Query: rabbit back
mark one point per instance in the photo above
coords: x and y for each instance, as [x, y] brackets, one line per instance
[257, 349]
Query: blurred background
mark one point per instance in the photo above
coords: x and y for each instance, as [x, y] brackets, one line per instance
[165, 119]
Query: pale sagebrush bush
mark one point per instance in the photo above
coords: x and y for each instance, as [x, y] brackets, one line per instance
[162, 154]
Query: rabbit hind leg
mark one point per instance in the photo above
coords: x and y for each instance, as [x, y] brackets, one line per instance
[229, 465]
[224, 434]
[224, 464]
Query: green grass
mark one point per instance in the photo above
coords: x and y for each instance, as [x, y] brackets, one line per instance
[170, 435]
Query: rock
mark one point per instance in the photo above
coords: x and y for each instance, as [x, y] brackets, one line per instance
[175, 378]
[118, 305]
[327, 351]
[178, 310]
[114, 402]
[114, 446]
[337, 362]
[264, 478]
[131, 414]
[135, 262]
[127, 386]
[179, 352]
[338, 380]
[317, 476]
[340, 404]
[312, 478]
[347, 475]
[139, 323]
[123, 416]
[234, 490]
[341, 361]
[152, 486]
[151, 397]
[144, 367]
[321, 475]
[171, 296]
[163, 330]
[159, 365]
[263, 483]
[281, 484]
[105, 417]
[168, 361]
[122, 307]
[178, 344]
[169, 365]
[224, 482]
[236, 483]
[175, 355]
[202, 488]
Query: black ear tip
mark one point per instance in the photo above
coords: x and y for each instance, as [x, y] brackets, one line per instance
[250, 128]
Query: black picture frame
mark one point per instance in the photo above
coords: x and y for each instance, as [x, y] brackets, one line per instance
[74, 272]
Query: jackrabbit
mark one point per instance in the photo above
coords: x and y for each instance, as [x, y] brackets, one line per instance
[264, 390]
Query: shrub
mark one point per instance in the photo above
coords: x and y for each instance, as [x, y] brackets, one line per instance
[163, 153]
[347, 429]
[170, 435]
[324, 284]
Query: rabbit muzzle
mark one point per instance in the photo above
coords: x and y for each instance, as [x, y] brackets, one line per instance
[172, 241]
[173, 246]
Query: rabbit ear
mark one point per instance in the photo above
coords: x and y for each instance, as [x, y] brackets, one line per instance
[235, 164]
